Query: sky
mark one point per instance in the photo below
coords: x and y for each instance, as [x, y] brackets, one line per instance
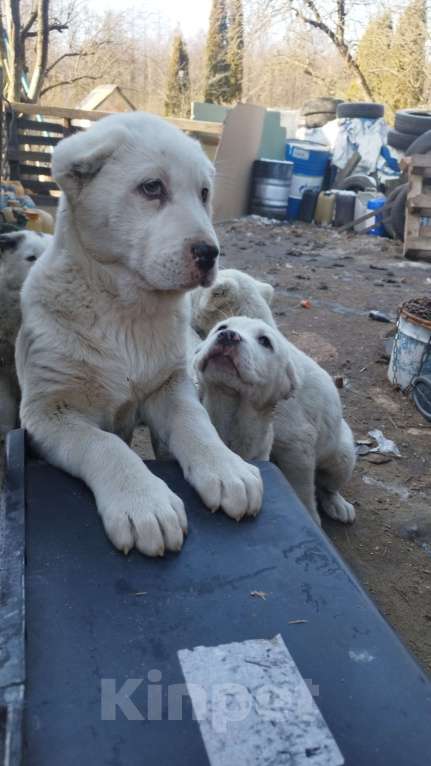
[191, 15]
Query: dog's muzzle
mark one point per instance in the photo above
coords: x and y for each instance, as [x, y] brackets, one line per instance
[204, 255]
[228, 338]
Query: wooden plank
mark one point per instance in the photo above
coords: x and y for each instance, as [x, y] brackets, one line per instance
[419, 201]
[34, 140]
[41, 127]
[192, 126]
[41, 187]
[35, 170]
[28, 156]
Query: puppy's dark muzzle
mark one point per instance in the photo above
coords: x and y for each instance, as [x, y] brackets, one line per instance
[204, 256]
[228, 338]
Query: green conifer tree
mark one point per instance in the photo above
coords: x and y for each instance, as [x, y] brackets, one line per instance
[236, 49]
[408, 58]
[217, 85]
[177, 101]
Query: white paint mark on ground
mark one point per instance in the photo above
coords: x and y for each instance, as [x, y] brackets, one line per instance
[254, 707]
[361, 656]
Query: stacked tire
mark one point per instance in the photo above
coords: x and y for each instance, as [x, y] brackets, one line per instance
[318, 111]
[352, 110]
[412, 131]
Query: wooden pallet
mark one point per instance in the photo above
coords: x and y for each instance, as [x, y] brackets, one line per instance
[417, 232]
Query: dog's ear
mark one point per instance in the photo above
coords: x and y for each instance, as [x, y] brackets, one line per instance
[78, 158]
[266, 290]
[290, 378]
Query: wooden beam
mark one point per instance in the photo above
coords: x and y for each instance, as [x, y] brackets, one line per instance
[191, 126]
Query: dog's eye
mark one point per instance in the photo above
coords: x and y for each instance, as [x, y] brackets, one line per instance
[222, 327]
[204, 194]
[154, 188]
[264, 341]
[31, 258]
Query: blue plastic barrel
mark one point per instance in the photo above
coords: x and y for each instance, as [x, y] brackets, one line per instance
[310, 161]
[378, 230]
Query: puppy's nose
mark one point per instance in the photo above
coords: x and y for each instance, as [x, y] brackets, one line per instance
[204, 255]
[228, 337]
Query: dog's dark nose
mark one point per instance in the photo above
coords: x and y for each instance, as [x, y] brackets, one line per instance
[228, 337]
[204, 255]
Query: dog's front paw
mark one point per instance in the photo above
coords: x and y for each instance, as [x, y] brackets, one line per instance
[153, 522]
[228, 483]
[335, 506]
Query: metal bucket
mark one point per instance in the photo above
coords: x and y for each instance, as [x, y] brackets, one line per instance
[270, 188]
[411, 351]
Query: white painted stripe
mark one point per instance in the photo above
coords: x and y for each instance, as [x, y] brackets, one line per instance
[254, 708]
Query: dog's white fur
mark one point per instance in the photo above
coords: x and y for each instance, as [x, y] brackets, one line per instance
[233, 293]
[18, 251]
[267, 398]
[104, 339]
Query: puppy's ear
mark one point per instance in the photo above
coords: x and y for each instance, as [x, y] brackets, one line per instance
[266, 290]
[77, 159]
[290, 379]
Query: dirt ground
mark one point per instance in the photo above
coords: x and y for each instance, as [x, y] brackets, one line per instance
[344, 276]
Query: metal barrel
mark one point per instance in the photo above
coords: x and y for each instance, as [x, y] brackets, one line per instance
[270, 188]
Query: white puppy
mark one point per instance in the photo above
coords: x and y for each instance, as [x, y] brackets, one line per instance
[18, 251]
[232, 293]
[103, 342]
[245, 369]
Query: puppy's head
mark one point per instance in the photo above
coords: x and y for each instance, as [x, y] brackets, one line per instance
[140, 193]
[233, 293]
[250, 358]
[20, 249]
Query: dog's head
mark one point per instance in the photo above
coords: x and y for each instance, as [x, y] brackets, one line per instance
[248, 357]
[140, 194]
[233, 293]
[20, 249]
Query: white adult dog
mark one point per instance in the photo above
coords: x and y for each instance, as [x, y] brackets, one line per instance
[245, 369]
[105, 324]
[18, 251]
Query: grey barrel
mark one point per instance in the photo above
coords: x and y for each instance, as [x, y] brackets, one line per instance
[270, 188]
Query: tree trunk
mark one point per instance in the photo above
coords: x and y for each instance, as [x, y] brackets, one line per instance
[14, 63]
[42, 40]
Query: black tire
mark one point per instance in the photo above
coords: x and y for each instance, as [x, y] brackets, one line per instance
[360, 109]
[390, 231]
[317, 105]
[399, 140]
[415, 121]
[420, 145]
[358, 182]
[319, 119]
[398, 213]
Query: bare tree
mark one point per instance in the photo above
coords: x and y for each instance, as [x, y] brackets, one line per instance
[28, 42]
[331, 19]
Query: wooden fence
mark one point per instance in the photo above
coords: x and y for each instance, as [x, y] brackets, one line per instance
[34, 130]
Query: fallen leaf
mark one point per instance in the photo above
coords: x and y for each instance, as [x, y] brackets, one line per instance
[306, 304]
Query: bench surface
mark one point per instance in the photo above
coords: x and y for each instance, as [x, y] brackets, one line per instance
[92, 614]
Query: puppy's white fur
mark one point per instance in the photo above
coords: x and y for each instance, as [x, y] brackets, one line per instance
[267, 398]
[233, 293]
[105, 331]
[18, 251]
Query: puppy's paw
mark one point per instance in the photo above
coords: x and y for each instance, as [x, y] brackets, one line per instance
[228, 483]
[153, 522]
[335, 506]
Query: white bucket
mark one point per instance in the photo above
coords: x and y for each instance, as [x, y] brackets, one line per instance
[409, 357]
